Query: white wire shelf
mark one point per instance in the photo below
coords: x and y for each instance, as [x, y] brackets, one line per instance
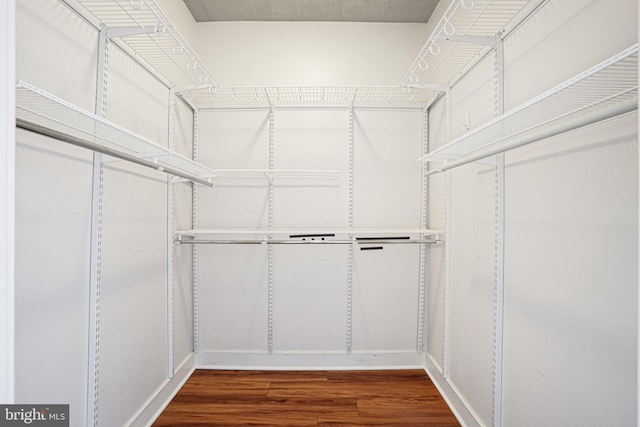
[309, 96]
[163, 48]
[279, 173]
[442, 59]
[361, 237]
[444, 55]
[37, 107]
[295, 177]
[166, 51]
[366, 244]
[604, 91]
[309, 232]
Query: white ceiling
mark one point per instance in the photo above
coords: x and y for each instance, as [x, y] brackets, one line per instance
[403, 11]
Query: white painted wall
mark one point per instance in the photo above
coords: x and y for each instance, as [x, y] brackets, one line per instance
[309, 53]
[181, 19]
[571, 239]
[436, 269]
[303, 53]
[310, 282]
[182, 276]
[232, 297]
[570, 294]
[7, 201]
[53, 202]
[134, 251]
[473, 251]
[386, 195]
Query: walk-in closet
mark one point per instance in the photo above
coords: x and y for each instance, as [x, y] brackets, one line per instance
[306, 185]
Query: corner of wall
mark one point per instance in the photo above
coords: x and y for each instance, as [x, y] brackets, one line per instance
[152, 409]
[450, 395]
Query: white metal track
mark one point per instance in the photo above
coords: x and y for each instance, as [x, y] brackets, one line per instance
[448, 243]
[170, 247]
[349, 325]
[194, 250]
[424, 252]
[93, 374]
[270, 259]
[498, 314]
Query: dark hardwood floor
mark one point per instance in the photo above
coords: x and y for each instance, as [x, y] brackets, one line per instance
[309, 398]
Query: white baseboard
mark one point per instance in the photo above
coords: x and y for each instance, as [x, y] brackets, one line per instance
[457, 405]
[152, 409]
[309, 361]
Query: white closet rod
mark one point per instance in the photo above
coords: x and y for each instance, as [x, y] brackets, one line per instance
[304, 242]
[620, 109]
[32, 127]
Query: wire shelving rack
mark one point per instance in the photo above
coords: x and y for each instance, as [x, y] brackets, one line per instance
[159, 44]
[604, 91]
[37, 109]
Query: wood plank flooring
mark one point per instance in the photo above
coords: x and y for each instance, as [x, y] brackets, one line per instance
[309, 398]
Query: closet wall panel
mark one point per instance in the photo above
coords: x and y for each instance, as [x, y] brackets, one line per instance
[310, 282]
[232, 279]
[437, 219]
[312, 139]
[385, 299]
[310, 299]
[386, 195]
[473, 249]
[386, 175]
[53, 223]
[183, 256]
[53, 215]
[133, 302]
[571, 279]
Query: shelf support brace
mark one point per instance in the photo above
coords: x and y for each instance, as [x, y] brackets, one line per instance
[266, 92]
[434, 87]
[180, 89]
[118, 32]
[479, 40]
